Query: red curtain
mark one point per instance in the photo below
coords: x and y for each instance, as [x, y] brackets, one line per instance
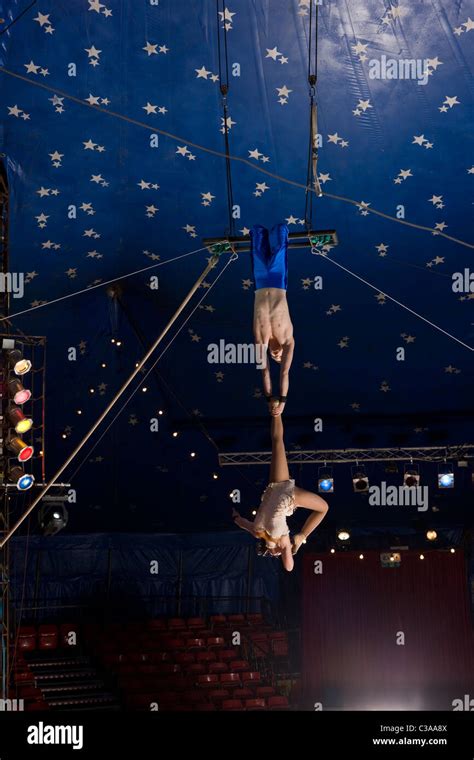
[355, 611]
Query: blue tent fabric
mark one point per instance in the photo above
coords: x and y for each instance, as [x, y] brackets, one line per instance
[111, 135]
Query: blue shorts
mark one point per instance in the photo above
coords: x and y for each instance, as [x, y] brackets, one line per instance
[269, 253]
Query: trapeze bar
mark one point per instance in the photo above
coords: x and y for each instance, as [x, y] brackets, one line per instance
[297, 240]
[334, 456]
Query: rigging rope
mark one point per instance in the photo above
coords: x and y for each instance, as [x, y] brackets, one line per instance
[224, 88]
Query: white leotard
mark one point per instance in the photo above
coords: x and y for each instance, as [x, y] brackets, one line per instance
[278, 503]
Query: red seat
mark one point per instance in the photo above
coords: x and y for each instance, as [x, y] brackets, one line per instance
[29, 692]
[196, 669]
[177, 624]
[23, 675]
[218, 620]
[238, 618]
[206, 656]
[196, 644]
[255, 618]
[217, 667]
[185, 658]
[27, 638]
[39, 705]
[215, 642]
[139, 657]
[242, 693]
[251, 678]
[278, 703]
[168, 668]
[226, 655]
[196, 622]
[174, 644]
[265, 691]
[229, 678]
[255, 704]
[232, 704]
[208, 680]
[239, 665]
[195, 696]
[260, 642]
[218, 695]
[160, 657]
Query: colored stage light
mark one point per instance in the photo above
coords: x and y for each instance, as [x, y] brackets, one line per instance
[23, 480]
[326, 485]
[431, 535]
[20, 448]
[18, 420]
[445, 476]
[16, 360]
[343, 535]
[16, 390]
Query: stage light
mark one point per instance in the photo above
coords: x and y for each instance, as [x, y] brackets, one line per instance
[254, 512]
[79, 411]
[16, 390]
[144, 389]
[422, 556]
[445, 476]
[53, 517]
[20, 448]
[192, 454]
[91, 390]
[326, 485]
[343, 535]
[64, 435]
[411, 477]
[333, 551]
[452, 551]
[160, 411]
[431, 535]
[118, 343]
[360, 480]
[20, 365]
[215, 475]
[175, 434]
[23, 480]
[361, 556]
[103, 365]
[18, 420]
[112, 340]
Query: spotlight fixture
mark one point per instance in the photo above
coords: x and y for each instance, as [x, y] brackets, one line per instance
[445, 476]
[453, 551]
[91, 390]
[192, 454]
[215, 475]
[343, 535]
[16, 390]
[20, 448]
[103, 365]
[175, 434]
[23, 480]
[422, 556]
[325, 480]
[411, 476]
[360, 480]
[160, 412]
[118, 343]
[254, 512]
[53, 517]
[112, 340]
[144, 389]
[20, 365]
[361, 556]
[431, 535]
[18, 420]
[333, 551]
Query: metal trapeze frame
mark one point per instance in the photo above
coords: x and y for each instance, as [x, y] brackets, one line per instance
[346, 456]
[297, 240]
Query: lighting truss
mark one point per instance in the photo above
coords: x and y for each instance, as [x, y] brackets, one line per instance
[340, 456]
